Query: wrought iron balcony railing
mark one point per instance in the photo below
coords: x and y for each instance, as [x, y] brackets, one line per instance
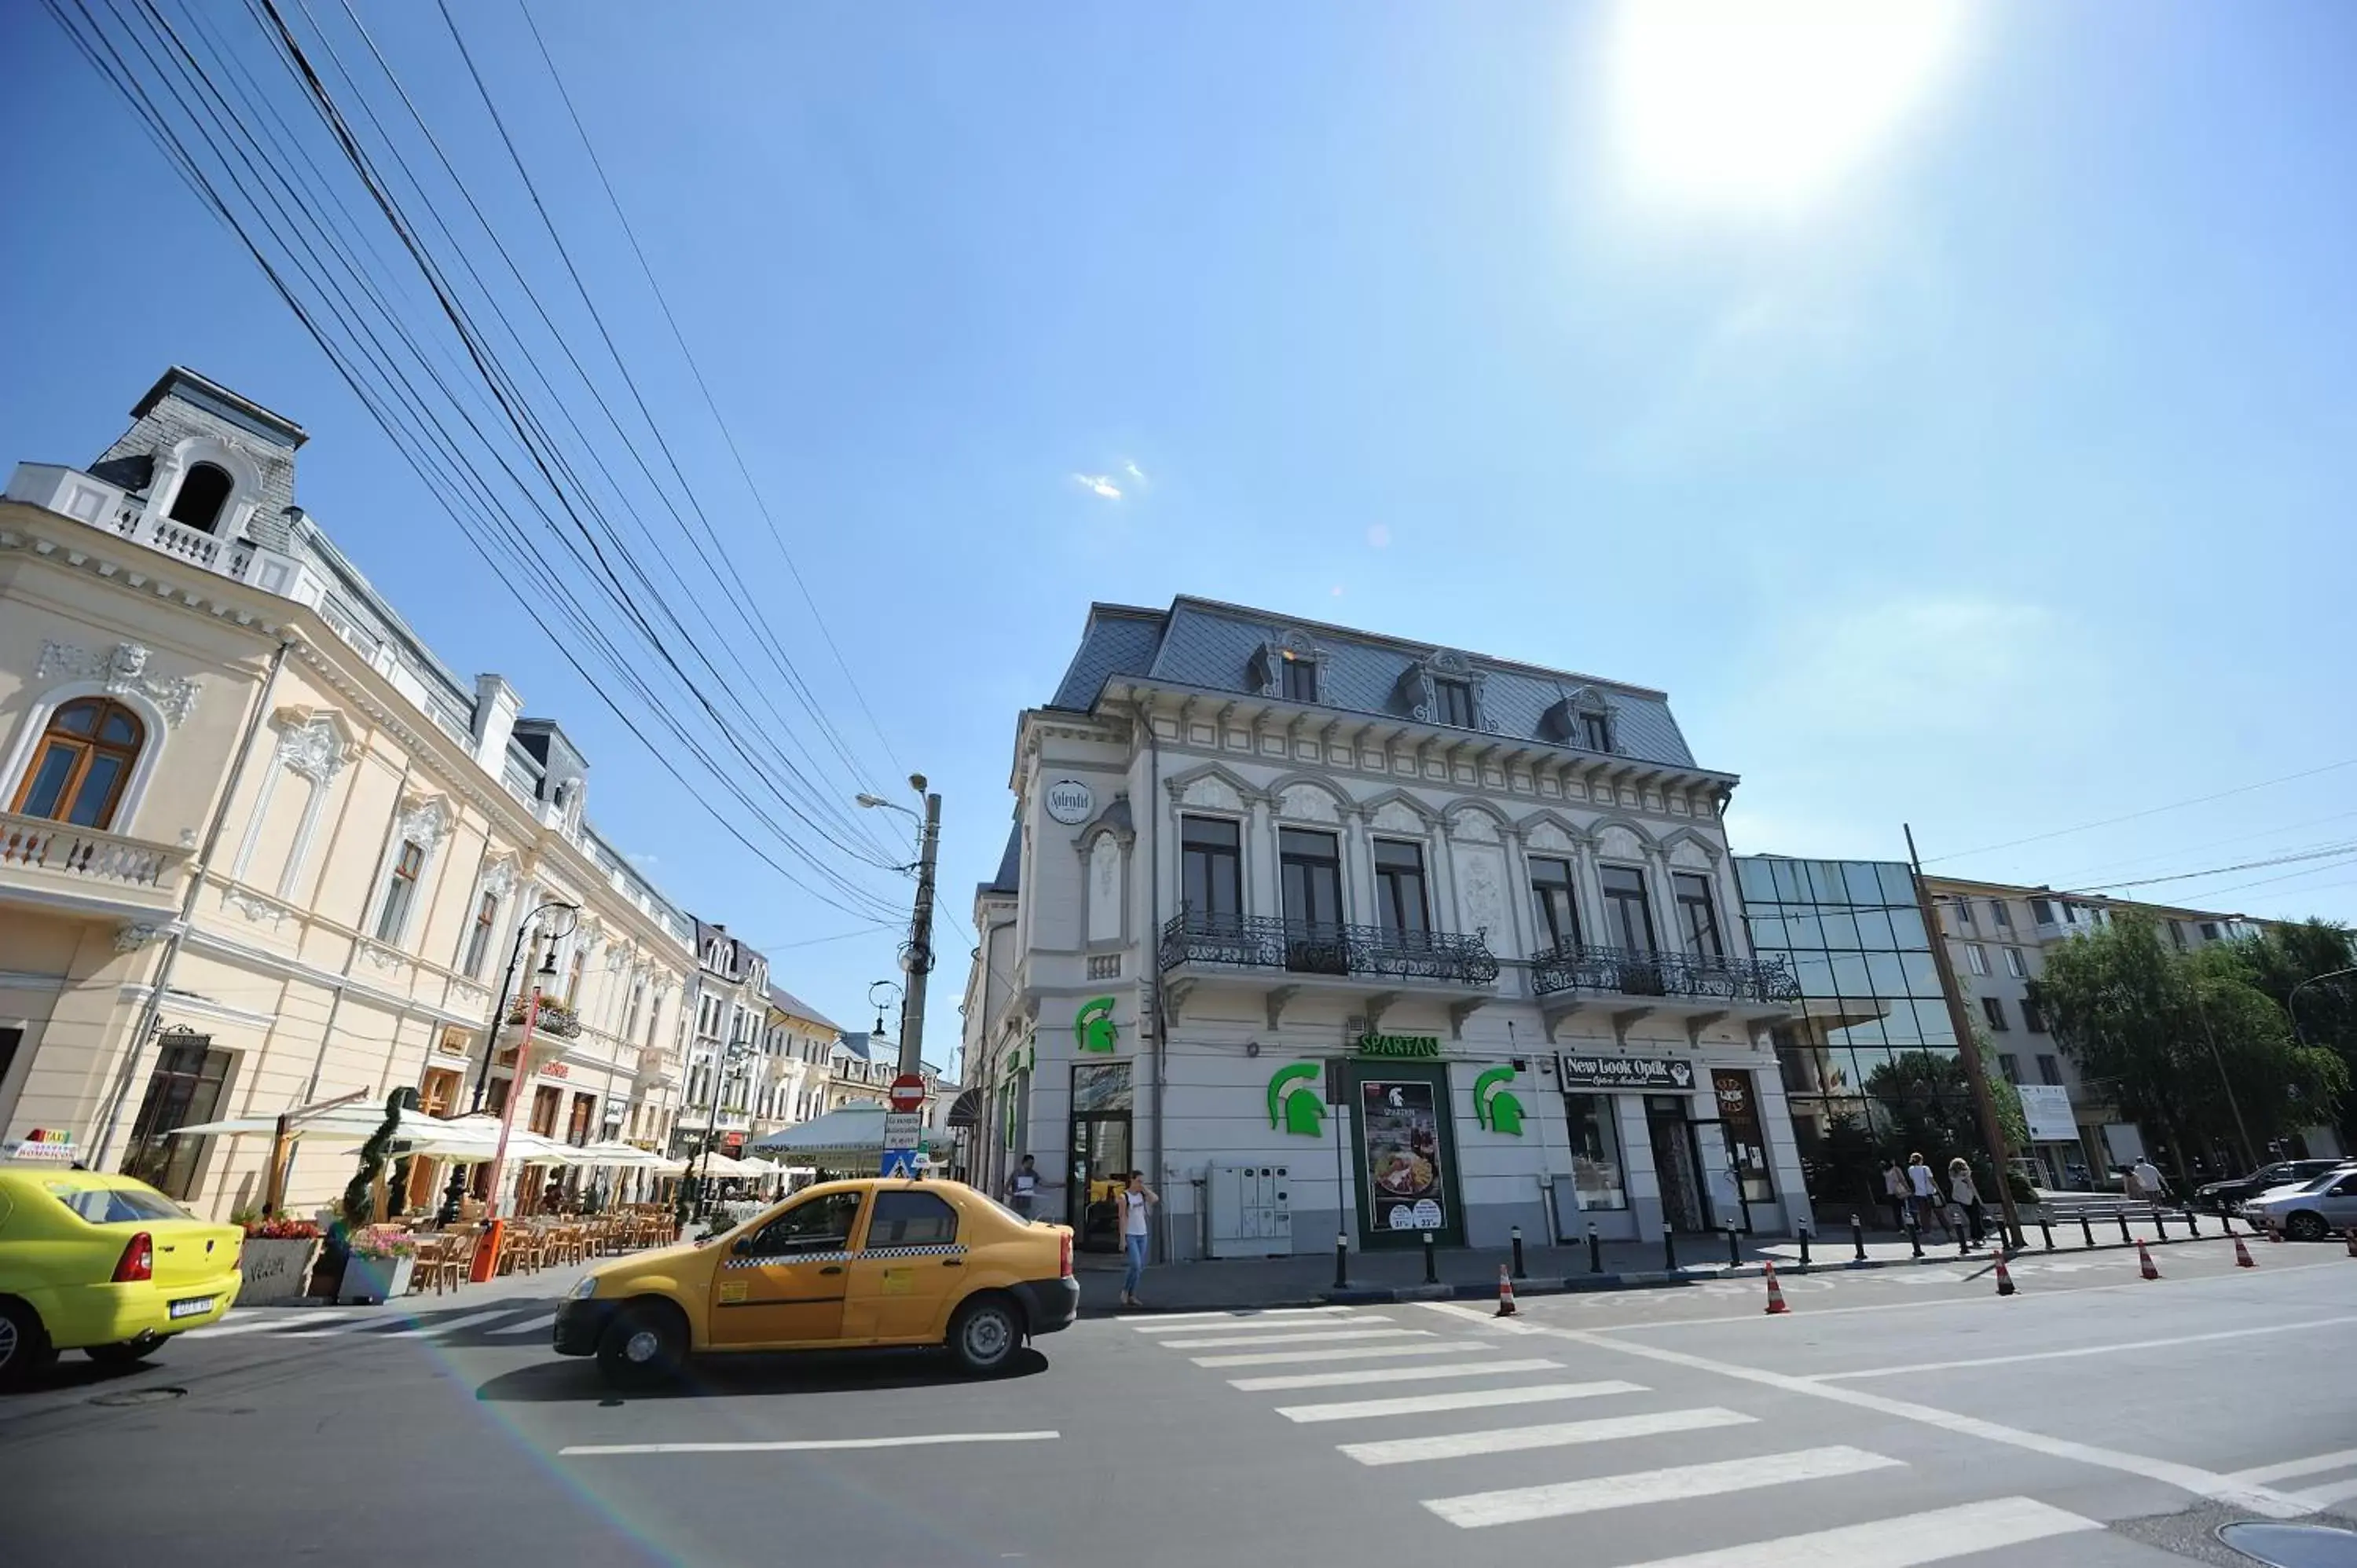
[1302, 947]
[1618, 971]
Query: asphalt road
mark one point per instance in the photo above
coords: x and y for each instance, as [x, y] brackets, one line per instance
[1892, 1417]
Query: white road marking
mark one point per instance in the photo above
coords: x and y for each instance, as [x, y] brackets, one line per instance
[1318, 1337]
[427, 1330]
[1486, 1320]
[2325, 1497]
[2086, 1350]
[2185, 1477]
[2312, 1465]
[1561, 1434]
[811, 1444]
[1902, 1542]
[545, 1321]
[251, 1326]
[1518, 1504]
[1360, 1377]
[1463, 1399]
[1162, 1320]
[1347, 1353]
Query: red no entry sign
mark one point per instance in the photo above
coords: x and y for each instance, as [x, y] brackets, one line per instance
[907, 1092]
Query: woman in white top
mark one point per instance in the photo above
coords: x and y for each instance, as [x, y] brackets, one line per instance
[1131, 1206]
[1967, 1197]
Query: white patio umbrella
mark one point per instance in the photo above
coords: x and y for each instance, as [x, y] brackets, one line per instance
[610, 1153]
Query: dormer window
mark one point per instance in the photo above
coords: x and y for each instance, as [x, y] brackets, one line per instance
[1453, 702]
[201, 497]
[1300, 678]
[1596, 732]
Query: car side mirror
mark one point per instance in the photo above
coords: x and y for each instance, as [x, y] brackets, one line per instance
[742, 1245]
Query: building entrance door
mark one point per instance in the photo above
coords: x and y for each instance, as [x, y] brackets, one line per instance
[1101, 1159]
[1676, 1165]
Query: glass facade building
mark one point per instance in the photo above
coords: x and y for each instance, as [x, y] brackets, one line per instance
[1869, 1060]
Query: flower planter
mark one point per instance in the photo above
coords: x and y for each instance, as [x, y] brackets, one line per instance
[275, 1270]
[374, 1280]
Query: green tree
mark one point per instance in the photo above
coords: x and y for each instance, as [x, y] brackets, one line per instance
[1926, 1099]
[2189, 1044]
[2281, 958]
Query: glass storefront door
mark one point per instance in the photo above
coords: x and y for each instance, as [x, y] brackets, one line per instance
[1678, 1165]
[1103, 1152]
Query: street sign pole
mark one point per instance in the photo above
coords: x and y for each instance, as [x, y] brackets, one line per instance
[904, 1125]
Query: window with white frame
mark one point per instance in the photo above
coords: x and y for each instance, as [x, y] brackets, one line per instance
[1976, 958]
[400, 891]
[479, 937]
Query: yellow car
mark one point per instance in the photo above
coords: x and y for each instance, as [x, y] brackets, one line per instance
[837, 1266]
[104, 1264]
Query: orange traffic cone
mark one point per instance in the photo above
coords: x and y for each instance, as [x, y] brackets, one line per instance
[2003, 1280]
[2243, 1255]
[1505, 1293]
[2144, 1261]
[1775, 1292]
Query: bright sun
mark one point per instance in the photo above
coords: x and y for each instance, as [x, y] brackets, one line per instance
[1766, 104]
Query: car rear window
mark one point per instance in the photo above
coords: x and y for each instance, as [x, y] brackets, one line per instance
[115, 1205]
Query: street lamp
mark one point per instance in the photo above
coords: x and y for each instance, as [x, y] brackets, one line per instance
[455, 1194]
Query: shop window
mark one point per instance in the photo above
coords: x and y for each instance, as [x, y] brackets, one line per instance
[1597, 1182]
[1738, 1120]
[82, 763]
[1211, 864]
[1400, 904]
[911, 1220]
[1555, 905]
[184, 1089]
[1697, 921]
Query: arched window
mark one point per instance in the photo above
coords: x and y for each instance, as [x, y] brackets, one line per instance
[82, 763]
[202, 494]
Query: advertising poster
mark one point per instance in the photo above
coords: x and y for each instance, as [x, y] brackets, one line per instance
[1407, 1185]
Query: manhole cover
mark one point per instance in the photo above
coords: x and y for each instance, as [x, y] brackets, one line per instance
[2293, 1545]
[140, 1396]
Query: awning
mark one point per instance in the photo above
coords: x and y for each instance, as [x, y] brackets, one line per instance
[966, 1109]
[848, 1131]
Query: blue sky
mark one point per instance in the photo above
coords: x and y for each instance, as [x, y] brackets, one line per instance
[1952, 416]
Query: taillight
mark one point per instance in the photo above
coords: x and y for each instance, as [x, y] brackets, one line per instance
[138, 1262]
[1068, 1254]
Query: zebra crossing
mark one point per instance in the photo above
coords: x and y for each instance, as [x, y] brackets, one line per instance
[1397, 1368]
[509, 1321]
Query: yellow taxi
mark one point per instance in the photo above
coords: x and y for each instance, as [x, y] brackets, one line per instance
[840, 1265]
[104, 1264]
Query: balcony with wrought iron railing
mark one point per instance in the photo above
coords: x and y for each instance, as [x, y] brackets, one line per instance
[1627, 985]
[1374, 965]
[36, 851]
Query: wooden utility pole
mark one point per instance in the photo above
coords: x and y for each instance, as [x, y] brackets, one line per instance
[1969, 1048]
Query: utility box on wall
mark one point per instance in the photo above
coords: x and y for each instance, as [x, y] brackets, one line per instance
[1252, 1211]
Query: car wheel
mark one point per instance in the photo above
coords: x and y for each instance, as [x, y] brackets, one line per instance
[2306, 1227]
[123, 1352]
[643, 1348]
[984, 1335]
[23, 1344]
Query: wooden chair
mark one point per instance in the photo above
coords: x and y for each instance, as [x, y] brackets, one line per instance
[427, 1268]
[455, 1259]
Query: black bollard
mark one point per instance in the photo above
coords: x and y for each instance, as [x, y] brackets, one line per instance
[1669, 1247]
[1594, 1251]
[2125, 1239]
[1804, 1249]
[1341, 1263]
[1734, 1251]
[1858, 1237]
[1520, 1273]
[2046, 1229]
[1915, 1235]
[1431, 1263]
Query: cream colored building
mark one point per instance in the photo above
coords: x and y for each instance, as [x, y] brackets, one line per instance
[260, 848]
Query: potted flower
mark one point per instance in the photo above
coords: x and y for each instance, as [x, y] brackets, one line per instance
[276, 1259]
[376, 1266]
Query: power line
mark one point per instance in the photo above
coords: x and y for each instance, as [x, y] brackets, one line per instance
[2085, 874]
[2319, 852]
[2148, 812]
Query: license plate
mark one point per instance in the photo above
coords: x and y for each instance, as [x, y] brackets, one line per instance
[196, 1306]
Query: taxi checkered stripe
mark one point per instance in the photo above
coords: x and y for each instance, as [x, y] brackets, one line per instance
[937, 1250]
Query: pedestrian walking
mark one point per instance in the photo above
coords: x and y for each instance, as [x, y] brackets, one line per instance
[1132, 1205]
[1023, 1186]
[1969, 1208]
[1894, 1192]
[2147, 1176]
[1923, 1196]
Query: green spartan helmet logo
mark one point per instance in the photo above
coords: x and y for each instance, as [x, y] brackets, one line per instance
[1092, 1027]
[1294, 1103]
[1494, 1107]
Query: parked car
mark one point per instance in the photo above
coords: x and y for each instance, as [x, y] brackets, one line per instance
[104, 1264]
[840, 1265]
[2221, 1197]
[2311, 1210]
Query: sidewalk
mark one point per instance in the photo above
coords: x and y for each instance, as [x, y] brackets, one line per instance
[1471, 1274]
